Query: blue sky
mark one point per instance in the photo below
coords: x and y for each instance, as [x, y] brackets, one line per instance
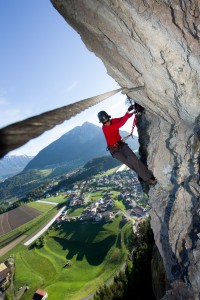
[45, 65]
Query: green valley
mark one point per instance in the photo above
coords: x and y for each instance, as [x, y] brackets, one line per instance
[95, 251]
[87, 245]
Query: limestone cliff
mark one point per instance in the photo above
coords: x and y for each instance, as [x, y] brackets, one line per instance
[156, 43]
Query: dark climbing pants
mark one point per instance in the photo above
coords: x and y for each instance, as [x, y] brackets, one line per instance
[124, 154]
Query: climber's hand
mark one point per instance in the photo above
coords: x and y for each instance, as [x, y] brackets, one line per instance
[132, 107]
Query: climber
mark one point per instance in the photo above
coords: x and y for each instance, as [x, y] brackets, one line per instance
[119, 149]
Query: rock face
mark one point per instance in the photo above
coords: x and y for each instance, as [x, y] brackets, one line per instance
[156, 44]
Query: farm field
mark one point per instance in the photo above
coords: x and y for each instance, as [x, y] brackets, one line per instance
[95, 251]
[45, 214]
[15, 218]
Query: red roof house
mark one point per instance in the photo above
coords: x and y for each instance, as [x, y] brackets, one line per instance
[40, 295]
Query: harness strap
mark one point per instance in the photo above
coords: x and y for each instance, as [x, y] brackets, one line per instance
[134, 123]
[116, 145]
[133, 126]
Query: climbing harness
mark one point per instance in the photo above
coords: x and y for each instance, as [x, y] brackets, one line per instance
[17, 134]
[114, 146]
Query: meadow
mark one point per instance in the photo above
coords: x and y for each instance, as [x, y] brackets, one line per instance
[96, 251]
[57, 199]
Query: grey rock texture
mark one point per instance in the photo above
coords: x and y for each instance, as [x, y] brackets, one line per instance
[156, 44]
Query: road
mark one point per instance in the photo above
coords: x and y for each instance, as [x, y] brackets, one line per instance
[38, 234]
[7, 248]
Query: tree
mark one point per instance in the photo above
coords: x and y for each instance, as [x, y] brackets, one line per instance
[8, 296]
[40, 242]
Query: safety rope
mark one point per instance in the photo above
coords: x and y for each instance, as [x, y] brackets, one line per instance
[132, 129]
[135, 117]
[134, 123]
[17, 134]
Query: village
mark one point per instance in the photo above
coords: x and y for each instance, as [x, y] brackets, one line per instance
[121, 186]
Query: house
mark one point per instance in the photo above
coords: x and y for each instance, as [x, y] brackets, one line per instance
[100, 201]
[93, 211]
[40, 295]
[137, 211]
[5, 275]
[98, 217]
[107, 215]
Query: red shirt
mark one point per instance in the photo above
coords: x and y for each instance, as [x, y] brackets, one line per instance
[111, 132]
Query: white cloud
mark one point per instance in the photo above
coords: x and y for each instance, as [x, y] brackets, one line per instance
[71, 87]
[64, 91]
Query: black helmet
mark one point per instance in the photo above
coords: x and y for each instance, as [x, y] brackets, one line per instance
[103, 116]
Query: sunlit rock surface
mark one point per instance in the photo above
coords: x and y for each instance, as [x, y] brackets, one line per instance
[156, 43]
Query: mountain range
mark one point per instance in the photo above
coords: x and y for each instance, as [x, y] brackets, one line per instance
[11, 165]
[76, 147]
